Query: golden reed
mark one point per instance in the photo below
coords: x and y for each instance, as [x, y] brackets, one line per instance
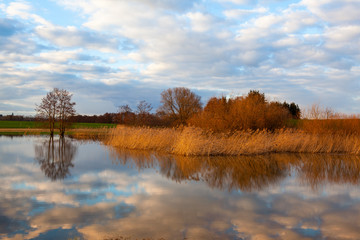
[191, 141]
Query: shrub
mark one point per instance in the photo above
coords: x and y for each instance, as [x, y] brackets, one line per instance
[247, 112]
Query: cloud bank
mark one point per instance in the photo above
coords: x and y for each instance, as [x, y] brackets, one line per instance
[122, 52]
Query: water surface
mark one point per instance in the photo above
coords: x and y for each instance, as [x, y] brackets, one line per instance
[68, 189]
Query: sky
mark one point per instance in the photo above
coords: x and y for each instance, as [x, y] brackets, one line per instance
[108, 53]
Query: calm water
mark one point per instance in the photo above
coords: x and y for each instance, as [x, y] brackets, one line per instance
[84, 190]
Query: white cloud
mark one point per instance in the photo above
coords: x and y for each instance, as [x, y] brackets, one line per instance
[240, 2]
[91, 6]
[297, 20]
[18, 9]
[73, 37]
[65, 56]
[240, 13]
[287, 42]
[343, 34]
[340, 40]
[23, 10]
[266, 21]
[335, 11]
[200, 22]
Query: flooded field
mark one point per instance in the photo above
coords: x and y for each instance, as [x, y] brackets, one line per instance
[70, 189]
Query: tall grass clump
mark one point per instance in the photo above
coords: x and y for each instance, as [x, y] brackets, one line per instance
[191, 141]
[298, 141]
[143, 138]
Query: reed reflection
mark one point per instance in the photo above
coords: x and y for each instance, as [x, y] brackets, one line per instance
[317, 170]
[248, 173]
[55, 157]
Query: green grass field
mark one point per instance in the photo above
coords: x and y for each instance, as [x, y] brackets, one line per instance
[30, 124]
[20, 124]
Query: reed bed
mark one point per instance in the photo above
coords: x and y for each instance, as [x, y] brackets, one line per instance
[191, 141]
[139, 138]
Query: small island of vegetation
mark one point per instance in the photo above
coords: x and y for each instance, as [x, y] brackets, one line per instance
[241, 125]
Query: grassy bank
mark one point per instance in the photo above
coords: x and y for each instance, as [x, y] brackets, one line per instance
[191, 141]
[79, 130]
[33, 124]
[90, 133]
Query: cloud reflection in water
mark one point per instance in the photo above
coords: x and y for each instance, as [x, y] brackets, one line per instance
[147, 195]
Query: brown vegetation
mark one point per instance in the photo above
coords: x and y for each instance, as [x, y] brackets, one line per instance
[191, 141]
[244, 125]
[331, 126]
[178, 105]
[252, 111]
[104, 118]
[318, 119]
[181, 106]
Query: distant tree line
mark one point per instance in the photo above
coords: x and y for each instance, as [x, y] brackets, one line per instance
[105, 118]
[13, 117]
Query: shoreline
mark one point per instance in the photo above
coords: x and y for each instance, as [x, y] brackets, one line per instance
[77, 132]
[191, 141]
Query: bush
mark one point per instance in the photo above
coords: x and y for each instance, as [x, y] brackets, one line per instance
[252, 111]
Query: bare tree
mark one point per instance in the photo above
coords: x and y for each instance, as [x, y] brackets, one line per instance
[143, 107]
[47, 110]
[143, 112]
[56, 107]
[125, 115]
[318, 112]
[179, 104]
[124, 109]
[65, 108]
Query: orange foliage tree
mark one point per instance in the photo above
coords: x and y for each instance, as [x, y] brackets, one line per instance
[252, 111]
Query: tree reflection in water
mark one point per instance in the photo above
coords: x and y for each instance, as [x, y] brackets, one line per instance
[247, 173]
[55, 157]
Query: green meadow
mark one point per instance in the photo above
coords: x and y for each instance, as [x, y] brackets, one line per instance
[20, 124]
[33, 124]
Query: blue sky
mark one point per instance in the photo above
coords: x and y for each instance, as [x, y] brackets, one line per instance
[114, 52]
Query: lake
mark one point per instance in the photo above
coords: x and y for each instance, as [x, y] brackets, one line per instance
[72, 189]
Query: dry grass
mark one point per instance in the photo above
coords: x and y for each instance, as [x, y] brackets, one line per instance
[190, 141]
[343, 126]
[143, 138]
[89, 133]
